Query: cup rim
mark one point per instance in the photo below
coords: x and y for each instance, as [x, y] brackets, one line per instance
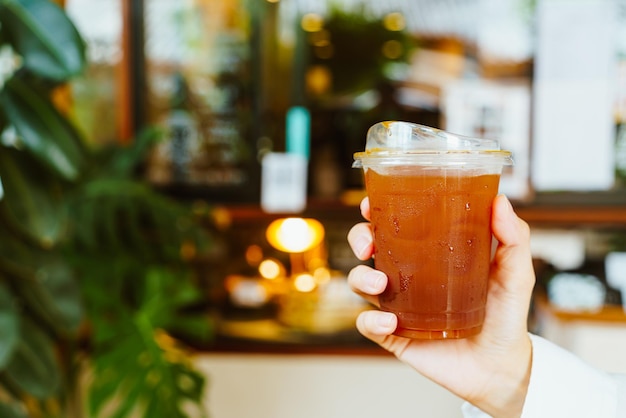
[432, 158]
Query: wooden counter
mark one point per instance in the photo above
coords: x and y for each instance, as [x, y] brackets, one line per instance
[610, 314]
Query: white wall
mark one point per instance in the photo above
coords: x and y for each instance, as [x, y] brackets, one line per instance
[320, 386]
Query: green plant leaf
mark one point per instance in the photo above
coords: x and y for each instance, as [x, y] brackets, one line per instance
[12, 410]
[125, 160]
[43, 284]
[3, 121]
[54, 295]
[132, 365]
[197, 328]
[135, 373]
[33, 367]
[9, 325]
[44, 36]
[43, 131]
[121, 215]
[32, 202]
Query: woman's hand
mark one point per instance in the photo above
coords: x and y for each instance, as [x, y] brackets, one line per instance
[490, 370]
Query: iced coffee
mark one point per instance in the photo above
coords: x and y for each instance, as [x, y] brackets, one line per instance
[431, 194]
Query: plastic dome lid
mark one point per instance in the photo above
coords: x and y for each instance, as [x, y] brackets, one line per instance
[396, 142]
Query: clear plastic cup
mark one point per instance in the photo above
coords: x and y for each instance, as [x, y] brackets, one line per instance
[431, 194]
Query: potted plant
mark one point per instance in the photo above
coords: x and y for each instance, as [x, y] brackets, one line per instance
[95, 273]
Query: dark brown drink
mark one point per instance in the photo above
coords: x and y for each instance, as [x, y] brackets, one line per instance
[433, 240]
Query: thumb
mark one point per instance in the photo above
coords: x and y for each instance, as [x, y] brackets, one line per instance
[512, 268]
[507, 227]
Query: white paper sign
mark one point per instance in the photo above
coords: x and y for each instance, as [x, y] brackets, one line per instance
[574, 84]
[284, 182]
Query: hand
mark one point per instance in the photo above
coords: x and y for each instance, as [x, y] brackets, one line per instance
[490, 370]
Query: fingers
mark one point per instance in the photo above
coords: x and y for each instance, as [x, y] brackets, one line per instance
[365, 208]
[366, 280]
[369, 283]
[361, 240]
[376, 325]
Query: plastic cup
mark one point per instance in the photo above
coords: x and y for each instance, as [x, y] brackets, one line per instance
[431, 194]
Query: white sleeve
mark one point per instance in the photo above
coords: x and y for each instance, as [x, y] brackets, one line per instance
[562, 385]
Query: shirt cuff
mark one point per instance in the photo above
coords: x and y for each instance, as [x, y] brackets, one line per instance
[562, 385]
[470, 411]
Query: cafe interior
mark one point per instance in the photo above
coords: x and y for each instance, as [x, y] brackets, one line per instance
[184, 186]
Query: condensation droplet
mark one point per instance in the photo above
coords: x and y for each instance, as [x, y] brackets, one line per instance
[467, 206]
[396, 225]
[451, 248]
[404, 282]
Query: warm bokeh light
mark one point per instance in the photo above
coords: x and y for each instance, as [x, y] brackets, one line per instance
[312, 22]
[304, 283]
[393, 49]
[221, 218]
[319, 38]
[270, 269]
[321, 275]
[394, 22]
[318, 79]
[295, 235]
[246, 291]
[188, 250]
[254, 255]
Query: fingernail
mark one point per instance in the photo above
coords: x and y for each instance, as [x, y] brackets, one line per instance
[385, 320]
[361, 246]
[373, 281]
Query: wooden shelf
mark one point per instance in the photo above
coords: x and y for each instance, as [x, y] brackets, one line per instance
[323, 209]
[574, 216]
[605, 216]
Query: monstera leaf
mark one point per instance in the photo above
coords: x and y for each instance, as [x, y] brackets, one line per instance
[42, 130]
[9, 323]
[138, 367]
[33, 367]
[29, 201]
[42, 34]
[12, 410]
[53, 295]
[77, 227]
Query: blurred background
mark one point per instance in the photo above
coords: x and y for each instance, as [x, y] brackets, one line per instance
[200, 216]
